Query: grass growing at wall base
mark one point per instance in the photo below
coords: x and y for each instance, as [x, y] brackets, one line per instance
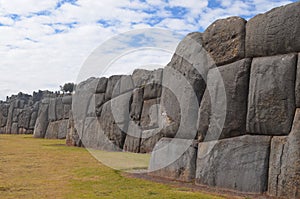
[38, 168]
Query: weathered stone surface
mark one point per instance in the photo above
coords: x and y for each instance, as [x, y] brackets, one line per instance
[126, 85]
[224, 40]
[114, 119]
[133, 138]
[149, 117]
[57, 130]
[93, 137]
[137, 104]
[149, 138]
[239, 163]
[271, 102]
[33, 119]
[82, 103]
[67, 109]
[151, 81]
[235, 79]
[52, 109]
[284, 176]
[297, 89]
[179, 105]
[14, 128]
[182, 155]
[3, 114]
[275, 32]
[41, 122]
[190, 63]
[24, 118]
[9, 118]
[99, 101]
[112, 86]
[16, 113]
[67, 99]
[72, 138]
[101, 86]
[59, 109]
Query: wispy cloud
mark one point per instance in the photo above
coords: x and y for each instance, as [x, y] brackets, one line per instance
[45, 43]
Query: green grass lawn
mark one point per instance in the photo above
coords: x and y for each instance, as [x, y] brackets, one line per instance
[38, 168]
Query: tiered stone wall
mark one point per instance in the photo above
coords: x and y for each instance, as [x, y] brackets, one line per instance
[224, 112]
[53, 117]
[18, 113]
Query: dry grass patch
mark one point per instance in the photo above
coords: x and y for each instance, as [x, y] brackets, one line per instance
[38, 168]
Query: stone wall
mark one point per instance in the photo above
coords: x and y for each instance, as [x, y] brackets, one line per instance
[224, 112]
[18, 114]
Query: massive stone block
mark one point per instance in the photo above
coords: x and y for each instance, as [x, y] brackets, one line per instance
[224, 40]
[3, 114]
[275, 32]
[59, 109]
[284, 176]
[42, 122]
[151, 81]
[57, 130]
[94, 137]
[114, 119]
[112, 86]
[174, 159]
[52, 109]
[133, 138]
[239, 163]
[33, 119]
[271, 102]
[234, 78]
[149, 116]
[24, 118]
[101, 86]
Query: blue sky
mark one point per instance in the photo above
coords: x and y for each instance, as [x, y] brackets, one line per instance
[44, 43]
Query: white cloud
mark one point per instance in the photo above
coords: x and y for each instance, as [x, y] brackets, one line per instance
[44, 50]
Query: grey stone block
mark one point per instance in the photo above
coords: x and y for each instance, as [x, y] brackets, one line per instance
[174, 159]
[41, 122]
[239, 163]
[224, 40]
[284, 176]
[275, 32]
[230, 100]
[271, 101]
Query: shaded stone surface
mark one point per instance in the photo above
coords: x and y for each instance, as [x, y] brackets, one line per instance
[101, 86]
[182, 155]
[224, 40]
[284, 176]
[274, 32]
[271, 102]
[297, 86]
[67, 99]
[41, 122]
[133, 138]
[112, 85]
[114, 119]
[57, 130]
[52, 109]
[235, 79]
[149, 116]
[136, 104]
[239, 163]
[59, 109]
[93, 136]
